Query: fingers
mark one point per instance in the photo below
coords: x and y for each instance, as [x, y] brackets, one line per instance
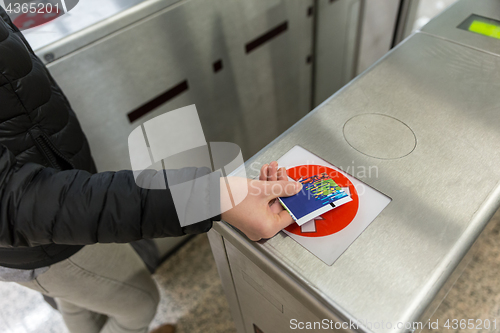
[283, 219]
[277, 222]
[282, 174]
[272, 172]
[282, 188]
[263, 172]
[276, 207]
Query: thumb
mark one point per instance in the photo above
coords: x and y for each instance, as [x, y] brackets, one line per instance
[283, 220]
[282, 188]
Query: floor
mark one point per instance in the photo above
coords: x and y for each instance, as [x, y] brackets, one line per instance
[191, 291]
[192, 294]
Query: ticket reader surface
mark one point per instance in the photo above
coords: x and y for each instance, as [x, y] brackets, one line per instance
[427, 116]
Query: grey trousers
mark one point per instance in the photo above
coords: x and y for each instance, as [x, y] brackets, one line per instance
[103, 288]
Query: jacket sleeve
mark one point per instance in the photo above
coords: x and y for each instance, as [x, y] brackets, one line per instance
[40, 205]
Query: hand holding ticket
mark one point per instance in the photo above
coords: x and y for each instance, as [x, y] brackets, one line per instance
[319, 194]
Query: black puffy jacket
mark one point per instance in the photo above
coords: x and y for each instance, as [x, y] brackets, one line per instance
[51, 200]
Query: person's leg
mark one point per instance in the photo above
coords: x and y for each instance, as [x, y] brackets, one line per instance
[78, 319]
[108, 279]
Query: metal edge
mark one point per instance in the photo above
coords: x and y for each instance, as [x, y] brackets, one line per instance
[457, 43]
[102, 29]
[446, 288]
[451, 262]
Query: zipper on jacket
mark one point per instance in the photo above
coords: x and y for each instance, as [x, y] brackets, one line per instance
[55, 158]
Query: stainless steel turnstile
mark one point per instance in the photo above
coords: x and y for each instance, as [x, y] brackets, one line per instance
[239, 61]
[247, 65]
[428, 117]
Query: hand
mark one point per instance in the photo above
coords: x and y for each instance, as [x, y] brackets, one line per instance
[272, 173]
[259, 215]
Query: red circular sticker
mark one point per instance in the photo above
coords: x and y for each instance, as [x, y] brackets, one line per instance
[334, 220]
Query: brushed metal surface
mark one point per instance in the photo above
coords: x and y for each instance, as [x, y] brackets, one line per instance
[253, 99]
[446, 25]
[263, 289]
[300, 300]
[443, 193]
[372, 133]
